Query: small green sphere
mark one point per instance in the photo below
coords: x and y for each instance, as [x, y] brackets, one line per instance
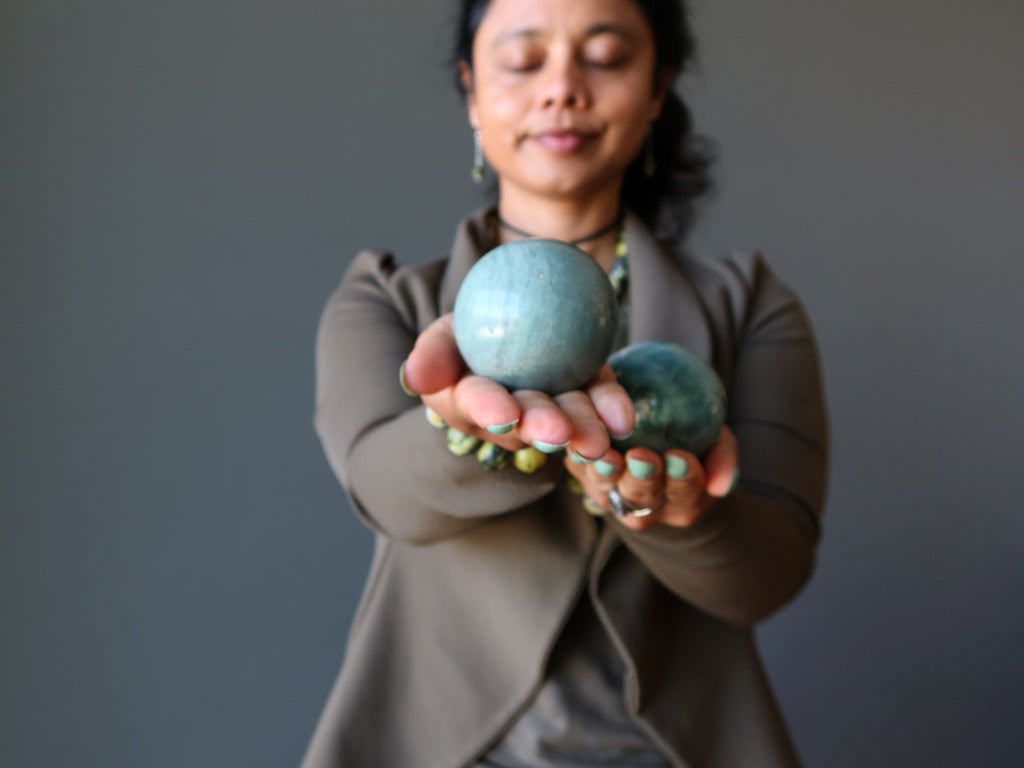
[679, 399]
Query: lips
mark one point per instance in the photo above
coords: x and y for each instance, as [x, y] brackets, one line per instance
[562, 140]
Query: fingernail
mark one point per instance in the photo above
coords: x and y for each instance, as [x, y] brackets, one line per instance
[403, 382]
[434, 418]
[676, 467]
[502, 429]
[528, 460]
[621, 436]
[580, 459]
[604, 468]
[642, 470]
[540, 445]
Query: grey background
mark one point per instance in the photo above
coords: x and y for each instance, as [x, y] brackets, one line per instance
[181, 186]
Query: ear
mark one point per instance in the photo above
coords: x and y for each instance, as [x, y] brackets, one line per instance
[466, 76]
[663, 80]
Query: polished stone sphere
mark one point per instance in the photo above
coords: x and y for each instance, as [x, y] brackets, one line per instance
[679, 399]
[536, 314]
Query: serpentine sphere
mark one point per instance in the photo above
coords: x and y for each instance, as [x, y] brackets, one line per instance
[679, 399]
[536, 314]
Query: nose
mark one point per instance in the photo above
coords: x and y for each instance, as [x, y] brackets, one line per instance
[564, 85]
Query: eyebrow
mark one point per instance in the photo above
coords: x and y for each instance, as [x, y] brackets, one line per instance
[601, 28]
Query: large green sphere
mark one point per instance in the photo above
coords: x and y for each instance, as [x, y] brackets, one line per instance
[536, 314]
[679, 399]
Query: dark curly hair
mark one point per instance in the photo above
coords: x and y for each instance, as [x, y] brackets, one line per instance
[667, 201]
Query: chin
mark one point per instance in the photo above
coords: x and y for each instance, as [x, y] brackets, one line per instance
[565, 182]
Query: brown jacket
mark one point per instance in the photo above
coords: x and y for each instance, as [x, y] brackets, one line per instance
[475, 572]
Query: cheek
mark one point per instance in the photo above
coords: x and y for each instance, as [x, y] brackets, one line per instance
[500, 114]
[635, 108]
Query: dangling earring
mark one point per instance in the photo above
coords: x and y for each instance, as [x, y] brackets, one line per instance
[649, 165]
[479, 170]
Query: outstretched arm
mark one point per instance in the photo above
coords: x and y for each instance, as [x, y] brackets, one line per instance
[399, 474]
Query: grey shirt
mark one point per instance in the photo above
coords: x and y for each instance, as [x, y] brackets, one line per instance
[578, 718]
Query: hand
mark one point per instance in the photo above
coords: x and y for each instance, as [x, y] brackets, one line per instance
[579, 420]
[676, 485]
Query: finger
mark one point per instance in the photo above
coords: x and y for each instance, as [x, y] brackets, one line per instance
[598, 477]
[542, 423]
[435, 362]
[612, 403]
[722, 465]
[486, 404]
[589, 436]
[684, 488]
[643, 482]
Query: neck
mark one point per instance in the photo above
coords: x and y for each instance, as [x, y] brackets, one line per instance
[568, 220]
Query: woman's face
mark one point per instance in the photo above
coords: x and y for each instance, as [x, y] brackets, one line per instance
[562, 92]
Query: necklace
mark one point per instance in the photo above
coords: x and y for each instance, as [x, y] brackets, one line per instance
[578, 241]
[618, 275]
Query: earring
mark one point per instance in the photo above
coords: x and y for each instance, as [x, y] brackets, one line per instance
[649, 165]
[479, 170]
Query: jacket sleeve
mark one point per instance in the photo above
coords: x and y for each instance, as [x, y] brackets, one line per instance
[396, 468]
[755, 549]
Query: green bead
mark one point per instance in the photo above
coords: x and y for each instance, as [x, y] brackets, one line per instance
[574, 485]
[460, 443]
[528, 460]
[493, 457]
[434, 418]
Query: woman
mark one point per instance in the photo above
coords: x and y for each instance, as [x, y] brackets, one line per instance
[510, 619]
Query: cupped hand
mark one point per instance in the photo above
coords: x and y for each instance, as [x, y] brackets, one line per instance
[579, 420]
[679, 488]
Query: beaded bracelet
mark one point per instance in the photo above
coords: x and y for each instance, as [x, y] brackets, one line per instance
[492, 457]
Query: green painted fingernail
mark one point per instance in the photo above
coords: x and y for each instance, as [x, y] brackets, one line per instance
[604, 468]
[540, 445]
[502, 429]
[642, 470]
[404, 384]
[580, 459]
[676, 467]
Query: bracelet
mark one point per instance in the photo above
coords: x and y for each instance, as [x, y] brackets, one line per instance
[491, 457]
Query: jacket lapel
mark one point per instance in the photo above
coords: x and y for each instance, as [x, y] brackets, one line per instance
[663, 304]
[471, 242]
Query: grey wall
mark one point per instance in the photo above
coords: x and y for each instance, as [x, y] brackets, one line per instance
[181, 186]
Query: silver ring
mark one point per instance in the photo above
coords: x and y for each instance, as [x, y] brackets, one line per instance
[623, 506]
